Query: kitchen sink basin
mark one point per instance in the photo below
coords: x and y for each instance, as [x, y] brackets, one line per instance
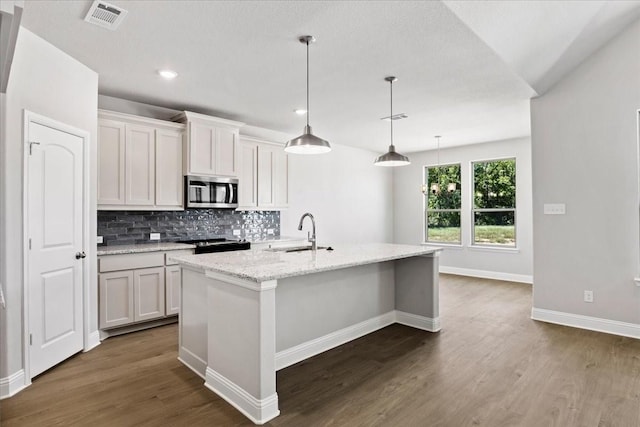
[294, 249]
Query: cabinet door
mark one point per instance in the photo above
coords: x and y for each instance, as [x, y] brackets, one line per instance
[111, 165]
[202, 149]
[172, 295]
[116, 298]
[140, 165]
[281, 179]
[247, 188]
[148, 293]
[266, 169]
[227, 152]
[169, 182]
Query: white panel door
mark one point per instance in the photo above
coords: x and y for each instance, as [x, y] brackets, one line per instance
[55, 229]
[169, 181]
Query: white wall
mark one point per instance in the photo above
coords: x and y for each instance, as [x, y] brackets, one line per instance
[350, 198]
[493, 263]
[585, 154]
[46, 81]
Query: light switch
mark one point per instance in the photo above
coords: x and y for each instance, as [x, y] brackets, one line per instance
[99, 239]
[554, 209]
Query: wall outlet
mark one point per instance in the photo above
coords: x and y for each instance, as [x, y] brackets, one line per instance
[154, 236]
[270, 231]
[554, 208]
[100, 239]
[588, 296]
[237, 232]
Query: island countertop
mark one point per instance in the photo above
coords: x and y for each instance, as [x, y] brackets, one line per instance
[263, 265]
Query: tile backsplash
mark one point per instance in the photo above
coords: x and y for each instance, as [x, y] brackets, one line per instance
[129, 227]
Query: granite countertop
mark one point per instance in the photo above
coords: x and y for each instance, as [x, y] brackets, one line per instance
[263, 265]
[142, 247]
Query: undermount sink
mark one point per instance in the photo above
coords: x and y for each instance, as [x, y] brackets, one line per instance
[293, 249]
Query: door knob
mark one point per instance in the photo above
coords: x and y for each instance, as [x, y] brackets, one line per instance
[80, 255]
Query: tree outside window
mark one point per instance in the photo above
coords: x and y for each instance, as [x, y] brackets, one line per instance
[443, 204]
[494, 203]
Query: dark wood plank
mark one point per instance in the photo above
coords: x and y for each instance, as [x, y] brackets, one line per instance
[490, 366]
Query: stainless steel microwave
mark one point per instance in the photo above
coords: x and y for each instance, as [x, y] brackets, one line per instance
[211, 192]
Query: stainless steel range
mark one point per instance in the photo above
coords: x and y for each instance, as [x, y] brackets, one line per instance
[218, 245]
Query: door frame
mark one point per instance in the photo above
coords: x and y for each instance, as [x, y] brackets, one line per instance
[31, 117]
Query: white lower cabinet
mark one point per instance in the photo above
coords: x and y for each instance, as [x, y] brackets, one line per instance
[136, 288]
[116, 299]
[148, 294]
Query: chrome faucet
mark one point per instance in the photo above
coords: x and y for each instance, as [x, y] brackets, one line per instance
[310, 237]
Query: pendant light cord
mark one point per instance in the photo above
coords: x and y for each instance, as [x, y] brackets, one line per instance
[391, 116]
[307, 83]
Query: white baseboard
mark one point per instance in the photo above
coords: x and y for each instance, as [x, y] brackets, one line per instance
[614, 327]
[418, 322]
[193, 362]
[12, 384]
[93, 341]
[308, 349]
[484, 274]
[259, 411]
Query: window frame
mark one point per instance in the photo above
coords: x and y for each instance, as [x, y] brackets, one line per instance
[472, 192]
[426, 210]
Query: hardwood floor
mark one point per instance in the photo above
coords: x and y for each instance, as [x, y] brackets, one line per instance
[491, 365]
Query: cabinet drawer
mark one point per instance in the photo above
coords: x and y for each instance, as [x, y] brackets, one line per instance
[130, 261]
[176, 253]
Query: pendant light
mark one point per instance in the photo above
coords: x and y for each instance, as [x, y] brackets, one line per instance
[392, 158]
[307, 143]
[435, 187]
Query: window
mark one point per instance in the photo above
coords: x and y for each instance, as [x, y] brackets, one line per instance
[442, 204]
[494, 203]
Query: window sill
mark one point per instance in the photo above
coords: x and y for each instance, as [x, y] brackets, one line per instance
[493, 249]
[457, 246]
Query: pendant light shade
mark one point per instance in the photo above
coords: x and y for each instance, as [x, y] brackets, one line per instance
[307, 143]
[391, 158]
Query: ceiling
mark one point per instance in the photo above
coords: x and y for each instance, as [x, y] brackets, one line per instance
[466, 69]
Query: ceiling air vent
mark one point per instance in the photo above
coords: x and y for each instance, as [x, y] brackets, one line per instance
[398, 116]
[105, 15]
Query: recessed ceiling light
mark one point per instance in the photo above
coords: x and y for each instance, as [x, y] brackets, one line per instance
[300, 112]
[168, 74]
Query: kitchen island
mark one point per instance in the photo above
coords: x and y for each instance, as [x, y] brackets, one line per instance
[246, 314]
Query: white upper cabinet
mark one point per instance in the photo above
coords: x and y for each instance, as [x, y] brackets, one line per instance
[264, 175]
[139, 163]
[248, 187]
[169, 181]
[212, 145]
[140, 148]
[110, 162]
